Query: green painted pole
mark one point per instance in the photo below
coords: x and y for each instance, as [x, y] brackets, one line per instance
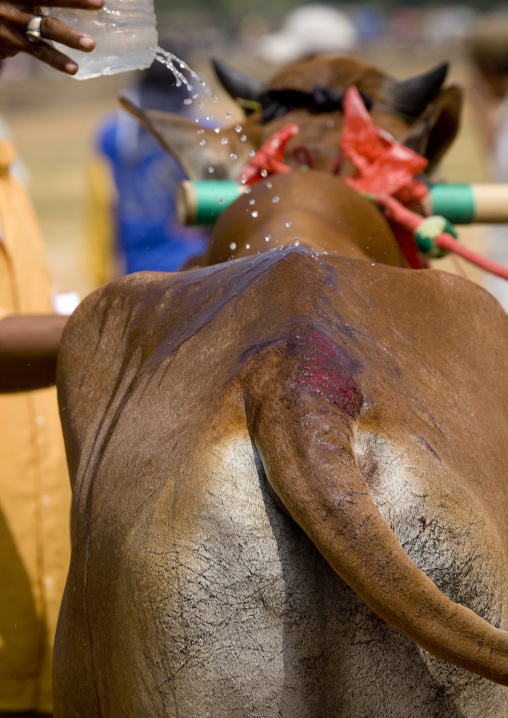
[456, 202]
[466, 203]
[200, 202]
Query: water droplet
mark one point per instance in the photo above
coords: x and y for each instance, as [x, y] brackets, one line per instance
[297, 242]
[228, 115]
[269, 184]
[248, 190]
[288, 224]
[232, 245]
[255, 213]
[187, 101]
[173, 63]
[252, 153]
[247, 246]
[233, 157]
[268, 237]
[264, 173]
[211, 170]
[224, 141]
[252, 201]
[238, 128]
[201, 131]
[202, 143]
[243, 138]
[275, 199]
[216, 130]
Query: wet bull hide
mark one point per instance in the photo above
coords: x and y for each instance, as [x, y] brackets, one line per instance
[290, 470]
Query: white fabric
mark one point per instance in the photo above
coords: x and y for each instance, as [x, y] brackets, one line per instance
[308, 30]
[65, 304]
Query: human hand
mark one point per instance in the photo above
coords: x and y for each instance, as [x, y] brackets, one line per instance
[29, 350]
[14, 19]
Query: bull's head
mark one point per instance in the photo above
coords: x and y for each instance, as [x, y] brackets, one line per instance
[416, 111]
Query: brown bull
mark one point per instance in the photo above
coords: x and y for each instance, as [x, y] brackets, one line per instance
[289, 471]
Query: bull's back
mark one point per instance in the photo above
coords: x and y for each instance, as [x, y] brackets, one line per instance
[190, 593]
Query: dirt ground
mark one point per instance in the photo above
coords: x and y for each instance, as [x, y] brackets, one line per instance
[53, 120]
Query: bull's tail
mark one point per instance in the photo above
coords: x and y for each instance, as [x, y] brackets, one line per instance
[301, 404]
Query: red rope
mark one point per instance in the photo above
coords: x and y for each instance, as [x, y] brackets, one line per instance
[385, 172]
[404, 217]
[407, 245]
[338, 163]
[303, 156]
[458, 266]
[446, 241]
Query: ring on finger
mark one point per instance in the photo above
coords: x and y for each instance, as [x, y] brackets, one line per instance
[33, 30]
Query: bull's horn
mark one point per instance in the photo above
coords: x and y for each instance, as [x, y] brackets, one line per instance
[238, 85]
[411, 97]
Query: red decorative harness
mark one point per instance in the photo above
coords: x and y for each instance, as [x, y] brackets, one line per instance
[385, 173]
[269, 159]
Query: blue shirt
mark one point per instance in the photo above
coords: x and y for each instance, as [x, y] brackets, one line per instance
[149, 236]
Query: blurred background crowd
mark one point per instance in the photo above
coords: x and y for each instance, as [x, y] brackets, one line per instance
[61, 125]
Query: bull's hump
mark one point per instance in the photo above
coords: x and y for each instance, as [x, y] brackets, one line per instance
[242, 295]
[226, 309]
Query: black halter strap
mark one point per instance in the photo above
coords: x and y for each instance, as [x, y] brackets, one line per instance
[277, 103]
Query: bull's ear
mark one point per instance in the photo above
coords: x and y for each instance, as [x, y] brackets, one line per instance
[436, 128]
[196, 149]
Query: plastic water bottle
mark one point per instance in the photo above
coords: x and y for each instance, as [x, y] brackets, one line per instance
[125, 32]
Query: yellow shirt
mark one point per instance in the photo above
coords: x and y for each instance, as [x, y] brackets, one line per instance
[100, 224]
[34, 485]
